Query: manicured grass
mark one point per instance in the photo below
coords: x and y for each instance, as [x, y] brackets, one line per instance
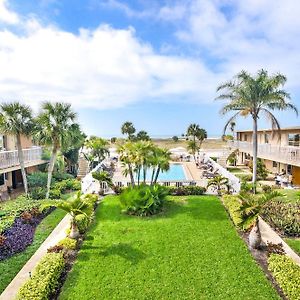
[291, 195]
[191, 251]
[294, 244]
[11, 266]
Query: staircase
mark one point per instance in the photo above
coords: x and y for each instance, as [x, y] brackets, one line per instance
[83, 167]
[222, 160]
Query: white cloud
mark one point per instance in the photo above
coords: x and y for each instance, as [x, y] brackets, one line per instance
[101, 68]
[7, 16]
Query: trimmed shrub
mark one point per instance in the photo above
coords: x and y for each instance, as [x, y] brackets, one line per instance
[45, 278]
[38, 179]
[82, 223]
[287, 275]
[233, 206]
[68, 185]
[186, 190]
[62, 176]
[68, 243]
[283, 216]
[38, 193]
[143, 200]
[55, 194]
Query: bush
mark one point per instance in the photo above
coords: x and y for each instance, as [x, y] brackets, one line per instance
[68, 185]
[82, 223]
[266, 188]
[287, 275]
[283, 216]
[233, 206]
[55, 194]
[246, 187]
[244, 178]
[262, 171]
[38, 179]
[62, 176]
[38, 193]
[68, 243]
[45, 278]
[186, 190]
[143, 200]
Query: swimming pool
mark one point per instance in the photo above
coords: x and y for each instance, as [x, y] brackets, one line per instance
[176, 172]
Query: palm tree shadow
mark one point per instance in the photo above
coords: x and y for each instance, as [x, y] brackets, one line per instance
[125, 251]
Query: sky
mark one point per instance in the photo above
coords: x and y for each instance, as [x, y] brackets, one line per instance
[155, 63]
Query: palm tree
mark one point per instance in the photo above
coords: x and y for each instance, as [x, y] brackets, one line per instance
[193, 148]
[129, 129]
[193, 131]
[251, 207]
[16, 119]
[201, 136]
[219, 183]
[163, 162]
[54, 129]
[127, 157]
[253, 96]
[98, 149]
[77, 206]
[232, 127]
[143, 136]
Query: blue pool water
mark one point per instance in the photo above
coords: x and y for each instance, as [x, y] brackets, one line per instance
[175, 172]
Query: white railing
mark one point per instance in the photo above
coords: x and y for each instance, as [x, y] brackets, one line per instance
[10, 159]
[285, 154]
[233, 180]
[176, 183]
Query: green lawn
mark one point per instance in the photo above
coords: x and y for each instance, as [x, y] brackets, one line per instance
[11, 266]
[192, 251]
[294, 244]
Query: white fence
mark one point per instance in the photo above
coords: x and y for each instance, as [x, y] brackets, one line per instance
[10, 159]
[233, 180]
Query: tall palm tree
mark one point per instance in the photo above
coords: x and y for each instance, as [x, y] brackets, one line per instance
[253, 96]
[193, 131]
[129, 129]
[55, 124]
[163, 162]
[16, 119]
[127, 157]
[201, 136]
[98, 149]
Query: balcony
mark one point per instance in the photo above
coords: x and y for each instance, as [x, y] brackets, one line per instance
[284, 154]
[9, 160]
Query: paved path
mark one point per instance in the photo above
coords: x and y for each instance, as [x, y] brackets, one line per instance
[269, 235]
[57, 234]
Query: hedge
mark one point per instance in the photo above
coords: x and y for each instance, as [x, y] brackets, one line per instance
[287, 275]
[233, 205]
[45, 278]
[186, 190]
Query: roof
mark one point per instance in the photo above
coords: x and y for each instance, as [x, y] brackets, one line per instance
[292, 128]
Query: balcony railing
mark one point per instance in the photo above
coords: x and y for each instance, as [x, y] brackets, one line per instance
[284, 154]
[10, 159]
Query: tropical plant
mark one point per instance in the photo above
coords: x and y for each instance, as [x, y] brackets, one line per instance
[193, 148]
[160, 163]
[193, 131]
[262, 171]
[103, 176]
[16, 119]
[128, 129]
[143, 200]
[254, 96]
[143, 136]
[220, 184]
[98, 149]
[55, 125]
[78, 206]
[201, 136]
[250, 209]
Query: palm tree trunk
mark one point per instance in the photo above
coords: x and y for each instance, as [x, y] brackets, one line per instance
[139, 174]
[152, 176]
[157, 173]
[255, 236]
[22, 164]
[254, 162]
[144, 173]
[131, 175]
[50, 170]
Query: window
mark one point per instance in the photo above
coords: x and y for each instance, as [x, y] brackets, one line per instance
[294, 139]
[2, 179]
[275, 164]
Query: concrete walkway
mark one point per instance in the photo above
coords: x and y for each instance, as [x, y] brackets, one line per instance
[57, 234]
[269, 235]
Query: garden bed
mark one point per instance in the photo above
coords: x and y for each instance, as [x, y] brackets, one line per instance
[189, 251]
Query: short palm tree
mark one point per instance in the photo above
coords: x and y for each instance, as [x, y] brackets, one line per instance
[162, 163]
[77, 206]
[55, 124]
[127, 157]
[103, 176]
[250, 209]
[98, 149]
[201, 136]
[255, 96]
[193, 148]
[128, 129]
[16, 119]
[219, 183]
[193, 131]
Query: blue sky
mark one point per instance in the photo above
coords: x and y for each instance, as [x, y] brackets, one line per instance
[156, 63]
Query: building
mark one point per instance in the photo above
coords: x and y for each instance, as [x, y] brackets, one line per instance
[280, 150]
[10, 169]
